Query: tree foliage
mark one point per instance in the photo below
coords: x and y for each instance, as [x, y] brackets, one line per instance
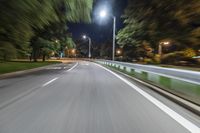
[21, 20]
[155, 20]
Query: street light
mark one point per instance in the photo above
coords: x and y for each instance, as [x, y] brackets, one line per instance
[161, 45]
[57, 41]
[73, 51]
[119, 52]
[103, 14]
[90, 42]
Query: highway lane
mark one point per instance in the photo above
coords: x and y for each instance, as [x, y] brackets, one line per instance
[187, 75]
[17, 86]
[86, 99]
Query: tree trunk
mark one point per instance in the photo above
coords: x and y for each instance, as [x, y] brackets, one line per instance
[4, 57]
[34, 55]
[43, 58]
[31, 57]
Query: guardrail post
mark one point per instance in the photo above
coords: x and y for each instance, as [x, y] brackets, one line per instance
[121, 67]
[128, 69]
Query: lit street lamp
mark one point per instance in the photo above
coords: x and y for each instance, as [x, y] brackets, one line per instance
[90, 42]
[161, 44]
[73, 51]
[57, 41]
[119, 52]
[103, 14]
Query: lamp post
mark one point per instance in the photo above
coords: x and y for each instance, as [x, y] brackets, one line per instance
[90, 42]
[61, 51]
[103, 14]
[160, 47]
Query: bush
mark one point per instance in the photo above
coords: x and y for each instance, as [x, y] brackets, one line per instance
[178, 58]
[189, 52]
[157, 59]
[172, 58]
[148, 61]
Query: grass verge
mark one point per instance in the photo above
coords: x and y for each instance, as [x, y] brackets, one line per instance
[13, 66]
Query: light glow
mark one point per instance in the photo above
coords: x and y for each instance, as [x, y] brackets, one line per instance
[119, 52]
[84, 36]
[73, 51]
[103, 13]
[166, 43]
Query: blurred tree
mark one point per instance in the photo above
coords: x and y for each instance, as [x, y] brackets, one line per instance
[21, 20]
[46, 47]
[7, 51]
[189, 52]
[106, 50]
[154, 20]
[82, 48]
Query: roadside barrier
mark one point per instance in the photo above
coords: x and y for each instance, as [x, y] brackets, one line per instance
[186, 90]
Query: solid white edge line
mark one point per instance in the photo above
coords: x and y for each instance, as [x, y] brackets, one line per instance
[49, 82]
[177, 117]
[72, 67]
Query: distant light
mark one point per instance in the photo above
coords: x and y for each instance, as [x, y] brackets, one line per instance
[103, 13]
[57, 41]
[166, 43]
[84, 36]
[119, 52]
[73, 51]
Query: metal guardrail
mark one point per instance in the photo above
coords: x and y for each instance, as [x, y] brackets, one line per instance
[186, 90]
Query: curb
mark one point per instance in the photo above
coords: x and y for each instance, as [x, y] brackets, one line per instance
[17, 73]
[184, 103]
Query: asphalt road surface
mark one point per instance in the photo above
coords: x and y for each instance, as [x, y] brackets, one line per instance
[186, 75]
[86, 98]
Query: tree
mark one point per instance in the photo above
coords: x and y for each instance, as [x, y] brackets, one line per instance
[17, 23]
[189, 52]
[7, 51]
[66, 11]
[155, 20]
[21, 20]
[45, 47]
[106, 50]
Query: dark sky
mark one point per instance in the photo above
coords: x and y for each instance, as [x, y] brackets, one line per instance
[100, 30]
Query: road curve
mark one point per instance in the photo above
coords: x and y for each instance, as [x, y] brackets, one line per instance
[84, 99]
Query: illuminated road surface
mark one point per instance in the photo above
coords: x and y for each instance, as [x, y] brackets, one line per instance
[86, 98]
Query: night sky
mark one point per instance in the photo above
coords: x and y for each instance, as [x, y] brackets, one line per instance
[100, 30]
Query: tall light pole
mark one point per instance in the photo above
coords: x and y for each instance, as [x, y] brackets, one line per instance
[103, 14]
[90, 43]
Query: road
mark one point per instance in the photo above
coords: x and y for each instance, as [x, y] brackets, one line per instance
[84, 97]
[185, 75]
